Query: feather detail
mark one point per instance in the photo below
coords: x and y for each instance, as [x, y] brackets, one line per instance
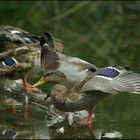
[129, 81]
[113, 80]
[9, 62]
[16, 35]
[49, 58]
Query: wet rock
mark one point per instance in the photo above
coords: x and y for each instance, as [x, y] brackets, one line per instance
[60, 130]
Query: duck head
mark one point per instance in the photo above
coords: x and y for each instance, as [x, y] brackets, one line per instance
[53, 77]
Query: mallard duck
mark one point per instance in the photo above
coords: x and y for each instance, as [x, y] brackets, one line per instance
[74, 68]
[19, 54]
[86, 94]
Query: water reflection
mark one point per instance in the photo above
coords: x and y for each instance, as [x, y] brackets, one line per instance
[114, 118]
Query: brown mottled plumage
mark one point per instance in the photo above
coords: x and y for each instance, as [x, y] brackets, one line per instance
[23, 49]
[67, 98]
[10, 37]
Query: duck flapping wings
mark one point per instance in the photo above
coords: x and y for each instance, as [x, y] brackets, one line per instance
[113, 80]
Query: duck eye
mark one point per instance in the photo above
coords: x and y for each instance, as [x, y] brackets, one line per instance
[9, 62]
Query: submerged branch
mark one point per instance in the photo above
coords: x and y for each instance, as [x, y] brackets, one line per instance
[12, 89]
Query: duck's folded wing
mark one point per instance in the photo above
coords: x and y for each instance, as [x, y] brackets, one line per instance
[112, 80]
[15, 34]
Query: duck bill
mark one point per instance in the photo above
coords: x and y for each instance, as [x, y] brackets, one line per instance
[40, 82]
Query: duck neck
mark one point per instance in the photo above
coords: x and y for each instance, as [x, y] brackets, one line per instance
[64, 82]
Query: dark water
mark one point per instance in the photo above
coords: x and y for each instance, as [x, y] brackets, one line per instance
[116, 116]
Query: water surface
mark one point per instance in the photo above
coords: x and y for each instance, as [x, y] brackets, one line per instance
[116, 115]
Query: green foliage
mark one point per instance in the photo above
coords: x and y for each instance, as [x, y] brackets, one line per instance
[2, 106]
[101, 32]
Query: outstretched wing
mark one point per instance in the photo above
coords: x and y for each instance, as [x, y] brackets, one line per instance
[49, 58]
[82, 64]
[113, 80]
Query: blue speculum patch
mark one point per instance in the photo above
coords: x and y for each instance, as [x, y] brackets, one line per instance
[108, 72]
[24, 36]
[9, 62]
